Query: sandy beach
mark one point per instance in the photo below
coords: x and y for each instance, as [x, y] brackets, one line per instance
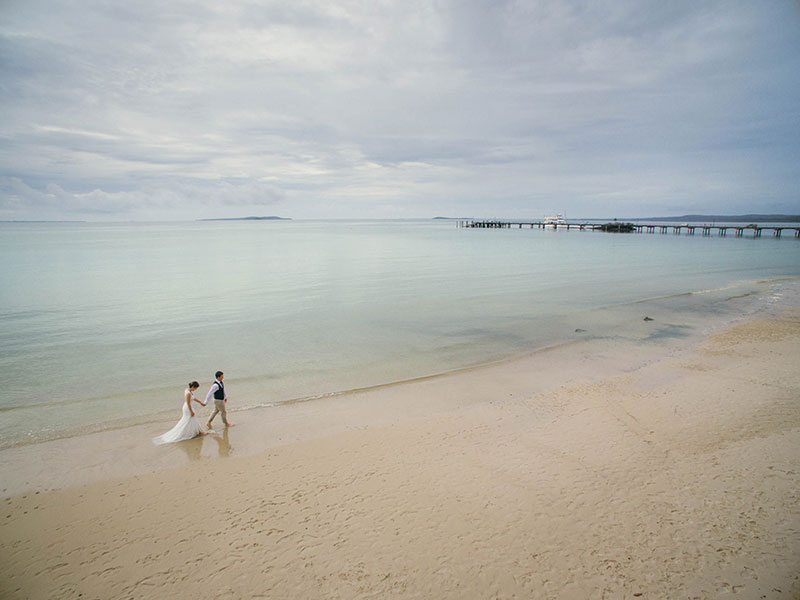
[597, 470]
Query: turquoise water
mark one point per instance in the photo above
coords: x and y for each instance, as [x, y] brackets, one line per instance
[103, 324]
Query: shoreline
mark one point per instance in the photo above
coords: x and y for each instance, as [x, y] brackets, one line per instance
[622, 323]
[648, 470]
[126, 451]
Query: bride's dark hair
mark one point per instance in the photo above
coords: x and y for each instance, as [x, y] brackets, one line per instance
[193, 385]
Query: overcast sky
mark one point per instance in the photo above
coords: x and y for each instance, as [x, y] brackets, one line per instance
[153, 110]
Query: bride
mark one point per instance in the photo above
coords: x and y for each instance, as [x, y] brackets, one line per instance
[190, 425]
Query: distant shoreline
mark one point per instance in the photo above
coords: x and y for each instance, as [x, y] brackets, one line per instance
[748, 218]
[249, 219]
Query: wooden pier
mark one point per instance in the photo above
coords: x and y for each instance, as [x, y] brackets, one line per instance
[706, 230]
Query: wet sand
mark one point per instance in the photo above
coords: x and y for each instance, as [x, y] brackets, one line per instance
[604, 469]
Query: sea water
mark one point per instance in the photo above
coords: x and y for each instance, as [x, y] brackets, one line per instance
[102, 325]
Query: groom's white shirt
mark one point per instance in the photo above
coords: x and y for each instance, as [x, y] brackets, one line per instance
[214, 388]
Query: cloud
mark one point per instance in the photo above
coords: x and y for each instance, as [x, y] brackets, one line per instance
[154, 197]
[397, 108]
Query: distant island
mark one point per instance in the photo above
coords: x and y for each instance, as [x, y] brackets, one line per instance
[752, 218]
[249, 219]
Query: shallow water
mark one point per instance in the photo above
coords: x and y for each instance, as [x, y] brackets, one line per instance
[103, 324]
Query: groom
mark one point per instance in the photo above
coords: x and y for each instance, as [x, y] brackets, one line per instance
[220, 398]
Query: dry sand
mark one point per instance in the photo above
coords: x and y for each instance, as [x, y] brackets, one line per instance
[676, 479]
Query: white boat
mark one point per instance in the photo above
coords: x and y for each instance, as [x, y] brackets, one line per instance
[555, 220]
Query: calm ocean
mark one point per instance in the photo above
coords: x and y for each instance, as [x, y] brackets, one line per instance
[103, 324]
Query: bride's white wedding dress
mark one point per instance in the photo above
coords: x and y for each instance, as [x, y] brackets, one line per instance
[188, 427]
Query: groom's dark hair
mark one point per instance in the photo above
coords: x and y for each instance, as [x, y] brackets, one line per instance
[218, 373]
